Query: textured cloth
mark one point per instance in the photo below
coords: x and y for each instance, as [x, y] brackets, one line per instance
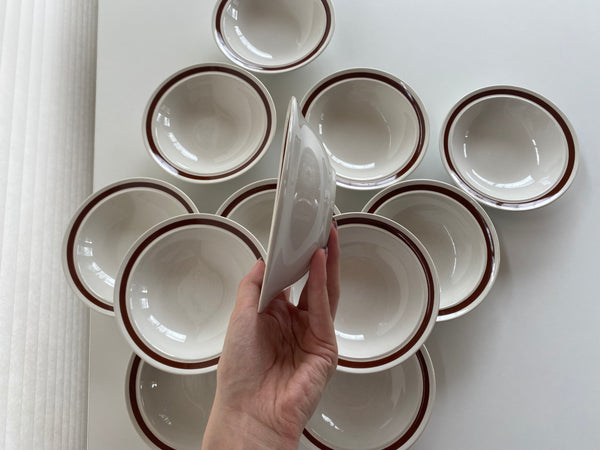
[47, 86]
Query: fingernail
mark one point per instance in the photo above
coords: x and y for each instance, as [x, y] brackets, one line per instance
[326, 250]
[335, 225]
[260, 259]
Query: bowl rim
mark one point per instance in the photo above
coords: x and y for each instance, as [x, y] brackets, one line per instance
[419, 150]
[422, 416]
[428, 319]
[141, 347]
[178, 77]
[523, 94]
[487, 227]
[77, 283]
[233, 56]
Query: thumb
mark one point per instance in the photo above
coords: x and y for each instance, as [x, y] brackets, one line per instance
[250, 286]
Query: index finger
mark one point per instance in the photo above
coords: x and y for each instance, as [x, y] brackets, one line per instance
[333, 269]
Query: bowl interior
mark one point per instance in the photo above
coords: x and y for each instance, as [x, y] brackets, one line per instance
[248, 27]
[209, 123]
[369, 128]
[360, 411]
[182, 289]
[508, 148]
[384, 293]
[174, 408]
[109, 229]
[256, 213]
[451, 235]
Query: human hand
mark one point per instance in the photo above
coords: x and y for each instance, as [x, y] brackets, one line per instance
[275, 365]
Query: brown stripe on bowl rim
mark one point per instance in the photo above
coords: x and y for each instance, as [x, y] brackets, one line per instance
[90, 204]
[421, 417]
[491, 248]
[266, 185]
[138, 249]
[131, 397]
[431, 293]
[546, 197]
[222, 43]
[153, 147]
[399, 86]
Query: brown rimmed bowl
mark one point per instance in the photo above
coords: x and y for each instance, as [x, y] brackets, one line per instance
[456, 231]
[509, 148]
[209, 123]
[372, 124]
[176, 289]
[383, 410]
[104, 227]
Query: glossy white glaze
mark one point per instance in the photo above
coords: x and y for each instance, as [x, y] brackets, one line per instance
[177, 287]
[244, 31]
[386, 409]
[458, 234]
[304, 206]
[389, 296]
[168, 409]
[252, 207]
[372, 124]
[209, 123]
[104, 227]
[509, 148]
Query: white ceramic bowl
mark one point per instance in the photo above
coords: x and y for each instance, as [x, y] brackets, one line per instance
[209, 123]
[509, 148]
[372, 124]
[271, 37]
[168, 410]
[177, 287]
[105, 225]
[304, 205]
[252, 206]
[389, 296]
[458, 234]
[384, 410]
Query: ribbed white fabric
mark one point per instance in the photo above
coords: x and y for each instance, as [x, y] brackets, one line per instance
[47, 86]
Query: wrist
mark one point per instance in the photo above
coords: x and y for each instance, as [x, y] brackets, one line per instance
[237, 430]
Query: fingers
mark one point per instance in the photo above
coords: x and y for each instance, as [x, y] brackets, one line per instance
[316, 297]
[333, 270]
[333, 274]
[249, 289]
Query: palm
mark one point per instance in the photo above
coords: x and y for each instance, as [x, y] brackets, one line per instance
[285, 362]
[275, 364]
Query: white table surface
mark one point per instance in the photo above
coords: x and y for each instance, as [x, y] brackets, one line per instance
[519, 372]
